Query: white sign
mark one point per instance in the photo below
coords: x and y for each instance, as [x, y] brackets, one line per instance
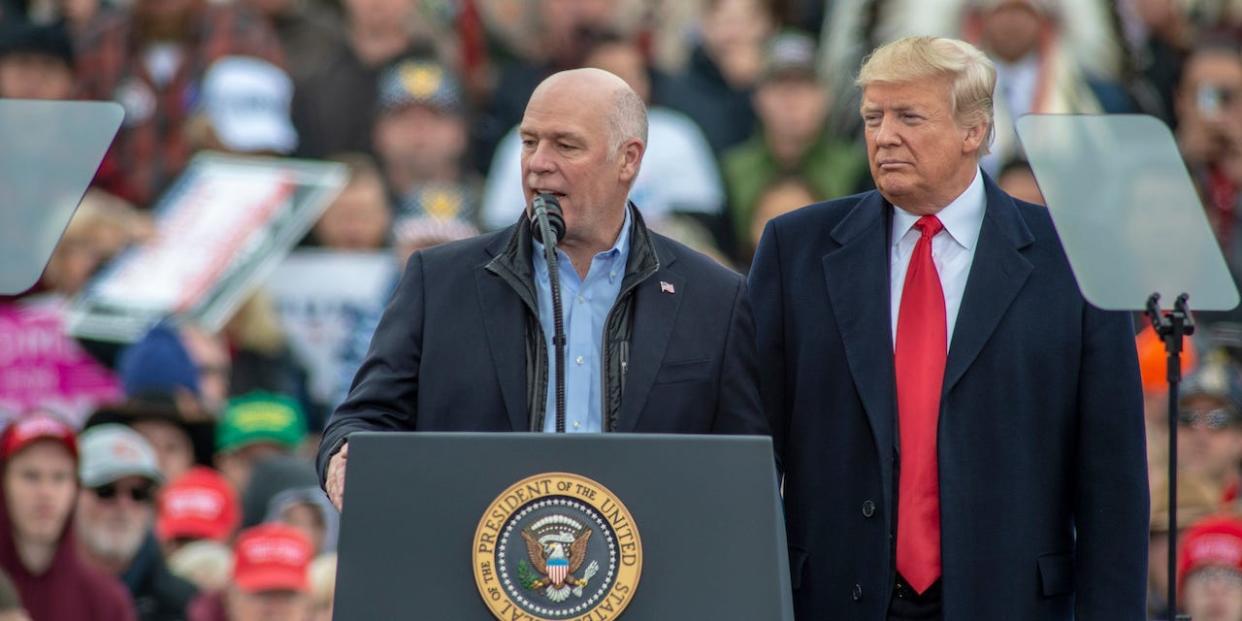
[220, 229]
[326, 300]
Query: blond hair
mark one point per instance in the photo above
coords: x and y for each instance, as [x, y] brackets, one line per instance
[205, 563]
[972, 75]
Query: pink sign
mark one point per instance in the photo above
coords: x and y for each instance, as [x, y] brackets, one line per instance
[41, 367]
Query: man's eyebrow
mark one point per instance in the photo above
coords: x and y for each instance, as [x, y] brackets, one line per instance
[554, 135]
[897, 108]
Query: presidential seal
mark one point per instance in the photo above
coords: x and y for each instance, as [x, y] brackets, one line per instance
[554, 547]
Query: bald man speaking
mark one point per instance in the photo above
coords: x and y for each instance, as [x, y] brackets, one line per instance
[659, 338]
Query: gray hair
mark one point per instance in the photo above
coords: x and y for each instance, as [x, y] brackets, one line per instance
[972, 75]
[628, 118]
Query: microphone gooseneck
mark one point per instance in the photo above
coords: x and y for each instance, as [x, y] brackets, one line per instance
[548, 223]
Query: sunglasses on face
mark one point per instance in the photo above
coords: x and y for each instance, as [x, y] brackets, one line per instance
[140, 494]
[1219, 418]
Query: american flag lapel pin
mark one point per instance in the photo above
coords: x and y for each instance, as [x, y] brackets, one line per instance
[667, 287]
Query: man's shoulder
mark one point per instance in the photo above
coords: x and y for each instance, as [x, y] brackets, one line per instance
[692, 264]
[818, 217]
[1037, 219]
[466, 253]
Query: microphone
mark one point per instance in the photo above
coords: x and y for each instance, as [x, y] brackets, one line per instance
[545, 208]
[546, 217]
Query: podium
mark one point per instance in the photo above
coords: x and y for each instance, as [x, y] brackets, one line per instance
[533, 527]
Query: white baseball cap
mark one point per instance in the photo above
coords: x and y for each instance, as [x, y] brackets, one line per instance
[247, 101]
[111, 452]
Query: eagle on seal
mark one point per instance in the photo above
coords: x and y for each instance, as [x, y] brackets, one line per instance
[557, 559]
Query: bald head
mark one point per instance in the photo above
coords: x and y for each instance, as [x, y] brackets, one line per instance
[601, 93]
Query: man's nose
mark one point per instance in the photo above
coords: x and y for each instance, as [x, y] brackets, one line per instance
[887, 133]
[540, 160]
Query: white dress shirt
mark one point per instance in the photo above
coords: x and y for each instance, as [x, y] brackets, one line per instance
[953, 250]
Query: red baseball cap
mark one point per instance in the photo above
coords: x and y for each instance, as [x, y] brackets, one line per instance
[27, 430]
[272, 557]
[1211, 542]
[200, 504]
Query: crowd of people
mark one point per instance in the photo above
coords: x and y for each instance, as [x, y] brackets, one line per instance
[189, 491]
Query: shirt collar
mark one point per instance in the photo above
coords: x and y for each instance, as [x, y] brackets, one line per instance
[620, 248]
[962, 218]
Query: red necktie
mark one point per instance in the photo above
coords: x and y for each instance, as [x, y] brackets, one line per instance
[922, 345]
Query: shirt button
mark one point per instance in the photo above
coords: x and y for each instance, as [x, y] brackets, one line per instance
[577, 424]
[868, 508]
[857, 593]
[579, 360]
[581, 300]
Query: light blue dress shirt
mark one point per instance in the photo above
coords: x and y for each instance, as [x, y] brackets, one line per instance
[585, 305]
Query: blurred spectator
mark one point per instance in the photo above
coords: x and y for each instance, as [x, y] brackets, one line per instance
[11, 605]
[555, 36]
[360, 217]
[334, 107]
[780, 197]
[115, 515]
[666, 23]
[179, 441]
[201, 505]
[186, 364]
[262, 359]
[323, 587]
[73, 15]
[100, 229]
[37, 545]
[1035, 73]
[151, 60]
[421, 134]
[255, 426]
[308, 510]
[791, 139]
[1160, 48]
[36, 62]
[678, 175]
[1087, 38]
[1196, 499]
[303, 27]
[1153, 368]
[1210, 421]
[412, 234]
[272, 476]
[210, 354]
[204, 563]
[1018, 180]
[1209, 132]
[244, 108]
[1210, 570]
[715, 89]
[270, 578]
[158, 363]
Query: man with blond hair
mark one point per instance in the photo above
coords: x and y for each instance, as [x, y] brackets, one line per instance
[960, 432]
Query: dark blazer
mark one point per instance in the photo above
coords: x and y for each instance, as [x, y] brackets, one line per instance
[449, 353]
[1043, 489]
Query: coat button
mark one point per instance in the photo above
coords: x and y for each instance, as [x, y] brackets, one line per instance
[857, 593]
[868, 508]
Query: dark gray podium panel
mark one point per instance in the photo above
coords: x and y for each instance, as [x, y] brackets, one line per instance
[706, 508]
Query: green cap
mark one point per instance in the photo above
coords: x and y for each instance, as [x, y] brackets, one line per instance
[260, 417]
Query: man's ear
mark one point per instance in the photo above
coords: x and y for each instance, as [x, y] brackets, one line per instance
[974, 137]
[631, 156]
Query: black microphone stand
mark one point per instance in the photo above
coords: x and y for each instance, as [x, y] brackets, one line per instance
[1171, 327]
[549, 240]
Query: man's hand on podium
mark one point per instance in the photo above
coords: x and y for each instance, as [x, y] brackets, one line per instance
[336, 476]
